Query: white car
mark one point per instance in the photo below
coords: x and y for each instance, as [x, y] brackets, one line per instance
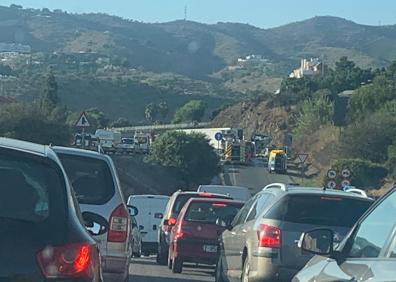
[235, 192]
[97, 187]
[150, 211]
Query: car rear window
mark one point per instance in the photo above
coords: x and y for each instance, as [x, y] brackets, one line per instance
[182, 199]
[91, 179]
[31, 188]
[210, 212]
[319, 210]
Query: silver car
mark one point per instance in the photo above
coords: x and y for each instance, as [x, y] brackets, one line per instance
[97, 187]
[261, 243]
[368, 253]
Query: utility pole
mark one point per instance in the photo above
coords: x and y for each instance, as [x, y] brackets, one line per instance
[185, 12]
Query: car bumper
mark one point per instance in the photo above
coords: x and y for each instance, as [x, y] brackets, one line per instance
[194, 252]
[267, 267]
[114, 264]
[149, 247]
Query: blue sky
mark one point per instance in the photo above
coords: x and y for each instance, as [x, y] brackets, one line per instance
[262, 13]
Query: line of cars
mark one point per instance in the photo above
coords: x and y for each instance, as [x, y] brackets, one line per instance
[283, 233]
[64, 215]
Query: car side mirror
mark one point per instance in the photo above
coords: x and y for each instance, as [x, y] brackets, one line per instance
[220, 222]
[133, 211]
[141, 227]
[317, 242]
[95, 224]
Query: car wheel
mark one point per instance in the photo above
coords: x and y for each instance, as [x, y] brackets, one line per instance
[177, 265]
[161, 257]
[246, 270]
[219, 272]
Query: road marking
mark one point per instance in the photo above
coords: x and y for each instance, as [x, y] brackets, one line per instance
[234, 175]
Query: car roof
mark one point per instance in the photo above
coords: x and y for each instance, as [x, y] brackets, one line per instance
[294, 190]
[149, 197]
[215, 200]
[27, 147]
[224, 186]
[79, 152]
[197, 193]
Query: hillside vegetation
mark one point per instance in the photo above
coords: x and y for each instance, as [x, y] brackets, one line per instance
[194, 49]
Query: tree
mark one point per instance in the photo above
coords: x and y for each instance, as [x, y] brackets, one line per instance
[151, 112]
[191, 154]
[193, 111]
[49, 98]
[120, 122]
[163, 109]
[314, 113]
[369, 139]
[28, 122]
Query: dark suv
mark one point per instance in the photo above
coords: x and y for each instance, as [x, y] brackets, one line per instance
[368, 253]
[173, 208]
[261, 243]
[41, 235]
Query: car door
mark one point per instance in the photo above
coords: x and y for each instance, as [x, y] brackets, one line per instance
[232, 241]
[371, 250]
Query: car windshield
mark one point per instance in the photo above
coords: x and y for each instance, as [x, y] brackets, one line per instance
[211, 212]
[28, 188]
[91, 178]
[320, 210]
[182, 199]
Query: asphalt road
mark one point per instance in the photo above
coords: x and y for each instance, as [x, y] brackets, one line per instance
[254, 176]
[147, 270]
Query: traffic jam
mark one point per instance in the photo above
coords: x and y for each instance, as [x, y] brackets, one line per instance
[74, 224]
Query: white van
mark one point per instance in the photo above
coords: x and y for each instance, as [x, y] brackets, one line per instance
[235, 192]
[151, 210]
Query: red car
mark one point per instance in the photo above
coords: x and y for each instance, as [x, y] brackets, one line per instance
[194, 237]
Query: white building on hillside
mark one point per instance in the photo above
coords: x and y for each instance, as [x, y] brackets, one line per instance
[309, 67]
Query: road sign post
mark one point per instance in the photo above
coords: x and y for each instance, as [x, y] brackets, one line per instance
[218, 136]
[83, 123]
[302, 158]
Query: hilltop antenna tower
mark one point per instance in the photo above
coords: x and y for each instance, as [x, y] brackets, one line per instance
[185, 12]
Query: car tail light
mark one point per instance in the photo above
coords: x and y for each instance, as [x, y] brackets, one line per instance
[171, 223]
[69, 261]
[179, 234]
[206, 194]
[119, 220]
[269, 236]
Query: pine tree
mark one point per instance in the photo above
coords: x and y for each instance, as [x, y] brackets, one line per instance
[49, 98]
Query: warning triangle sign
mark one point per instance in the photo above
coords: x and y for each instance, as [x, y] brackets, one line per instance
[83, 121]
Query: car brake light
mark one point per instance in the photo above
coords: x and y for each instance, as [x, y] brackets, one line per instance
[218, 205]
[179, 234]
[172, 221]
[269, 236]
[169, 226]
[69, 261]
[119, 221]
[206, 194]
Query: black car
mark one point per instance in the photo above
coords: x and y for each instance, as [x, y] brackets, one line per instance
[41, 235]
[173, 208]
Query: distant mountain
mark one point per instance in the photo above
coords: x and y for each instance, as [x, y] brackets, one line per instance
[194, 49]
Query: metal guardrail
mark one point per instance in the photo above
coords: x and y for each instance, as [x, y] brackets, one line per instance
[161, 127]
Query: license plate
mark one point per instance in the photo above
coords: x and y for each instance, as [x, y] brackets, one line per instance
[210, 248]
